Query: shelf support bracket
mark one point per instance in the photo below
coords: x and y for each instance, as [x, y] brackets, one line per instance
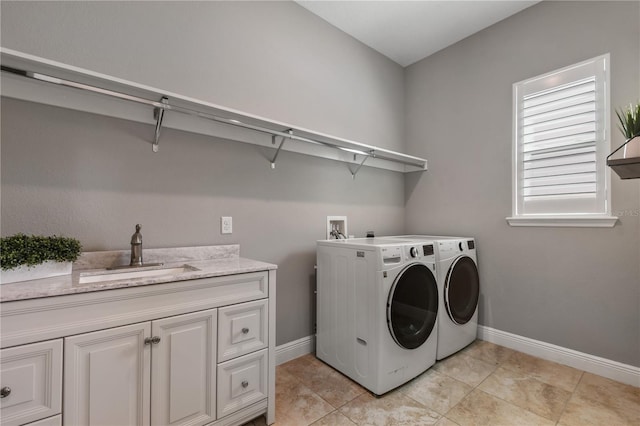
[355, 172]
[273, 141]
[158, 114]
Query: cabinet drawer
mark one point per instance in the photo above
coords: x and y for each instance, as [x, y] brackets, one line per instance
[51, 421]
[31, 379]
[242, 382]
[242, 329]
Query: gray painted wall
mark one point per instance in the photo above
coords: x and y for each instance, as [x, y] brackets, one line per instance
[94, 177]
[273, 59]
[574, 287]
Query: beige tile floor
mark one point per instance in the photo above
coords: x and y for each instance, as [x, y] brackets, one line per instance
[484, 384]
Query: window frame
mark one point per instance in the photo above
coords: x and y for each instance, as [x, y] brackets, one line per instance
[579, 219]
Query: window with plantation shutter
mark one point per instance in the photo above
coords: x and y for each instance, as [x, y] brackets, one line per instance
[561, 140]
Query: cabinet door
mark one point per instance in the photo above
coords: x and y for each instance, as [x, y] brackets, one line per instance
[184, 369]
[31, 382]
[106, 377]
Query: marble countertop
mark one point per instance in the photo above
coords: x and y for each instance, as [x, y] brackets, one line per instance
[201, 262]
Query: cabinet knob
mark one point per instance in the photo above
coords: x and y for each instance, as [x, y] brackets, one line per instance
[6, 391]
[152, 340]
[245, 384]
[245, 330]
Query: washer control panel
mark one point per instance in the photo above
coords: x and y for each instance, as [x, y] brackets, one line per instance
[419, 251]
[391, 255]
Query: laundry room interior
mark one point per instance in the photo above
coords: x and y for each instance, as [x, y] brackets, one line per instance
[268, 126]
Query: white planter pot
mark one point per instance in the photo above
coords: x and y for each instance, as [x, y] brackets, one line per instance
[43, 270]
[632, 148]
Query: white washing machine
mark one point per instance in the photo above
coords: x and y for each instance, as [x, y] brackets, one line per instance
[377, 309]
[459, 290]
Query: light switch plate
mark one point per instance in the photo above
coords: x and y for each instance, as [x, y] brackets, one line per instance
[226, 225]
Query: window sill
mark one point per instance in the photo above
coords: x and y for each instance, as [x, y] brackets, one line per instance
[565, 221]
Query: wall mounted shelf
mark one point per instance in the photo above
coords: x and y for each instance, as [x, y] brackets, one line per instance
[629, 166]
[36, 79]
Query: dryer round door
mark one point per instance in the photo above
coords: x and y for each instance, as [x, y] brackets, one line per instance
[462, 290]
[412, 307]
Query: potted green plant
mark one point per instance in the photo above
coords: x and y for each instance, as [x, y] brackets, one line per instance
[628, 167]
[30, 257]
[630, 127]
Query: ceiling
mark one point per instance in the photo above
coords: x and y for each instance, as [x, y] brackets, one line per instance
[407, 31]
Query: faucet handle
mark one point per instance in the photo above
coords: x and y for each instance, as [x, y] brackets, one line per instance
[137, 237]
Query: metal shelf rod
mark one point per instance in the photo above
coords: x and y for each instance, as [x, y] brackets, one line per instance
[164, 104]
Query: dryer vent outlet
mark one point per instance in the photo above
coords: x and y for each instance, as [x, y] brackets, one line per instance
[336, 227]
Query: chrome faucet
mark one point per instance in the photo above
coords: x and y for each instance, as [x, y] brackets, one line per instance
[136, 247]
[136, 253]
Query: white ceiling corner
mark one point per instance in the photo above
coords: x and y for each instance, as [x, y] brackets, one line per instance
[407, 31]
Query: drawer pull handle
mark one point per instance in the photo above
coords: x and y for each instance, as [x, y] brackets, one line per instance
[152, 340]
[245, 330]
[245, 384]
[5, 392]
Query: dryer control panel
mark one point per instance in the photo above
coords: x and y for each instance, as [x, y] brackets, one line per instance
[451, 248]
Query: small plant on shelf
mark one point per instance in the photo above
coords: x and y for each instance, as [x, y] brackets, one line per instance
[31, 250]
[628, 166]
[629, 121]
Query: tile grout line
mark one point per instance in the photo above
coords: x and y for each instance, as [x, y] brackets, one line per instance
[335, 409]
[575, 389]
[498, 365]
[300, 382]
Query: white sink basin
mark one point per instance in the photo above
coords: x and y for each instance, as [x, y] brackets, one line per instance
[100, 276]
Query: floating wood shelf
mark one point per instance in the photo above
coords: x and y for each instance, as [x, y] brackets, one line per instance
[41, 80]
[626, 168]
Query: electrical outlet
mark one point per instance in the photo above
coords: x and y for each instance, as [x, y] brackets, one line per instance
[226, 225]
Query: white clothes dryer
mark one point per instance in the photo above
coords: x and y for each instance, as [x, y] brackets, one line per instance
[377, 309]
[459, 290]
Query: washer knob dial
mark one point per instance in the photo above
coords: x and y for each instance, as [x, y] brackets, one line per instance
[413, 252]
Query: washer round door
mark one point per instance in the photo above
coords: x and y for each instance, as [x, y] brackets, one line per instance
[412, 307]
[462, 290]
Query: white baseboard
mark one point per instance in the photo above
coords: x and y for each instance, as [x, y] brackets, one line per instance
[291, 350]
[593, 364]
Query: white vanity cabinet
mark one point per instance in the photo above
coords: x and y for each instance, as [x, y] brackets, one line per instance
[196, 352]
